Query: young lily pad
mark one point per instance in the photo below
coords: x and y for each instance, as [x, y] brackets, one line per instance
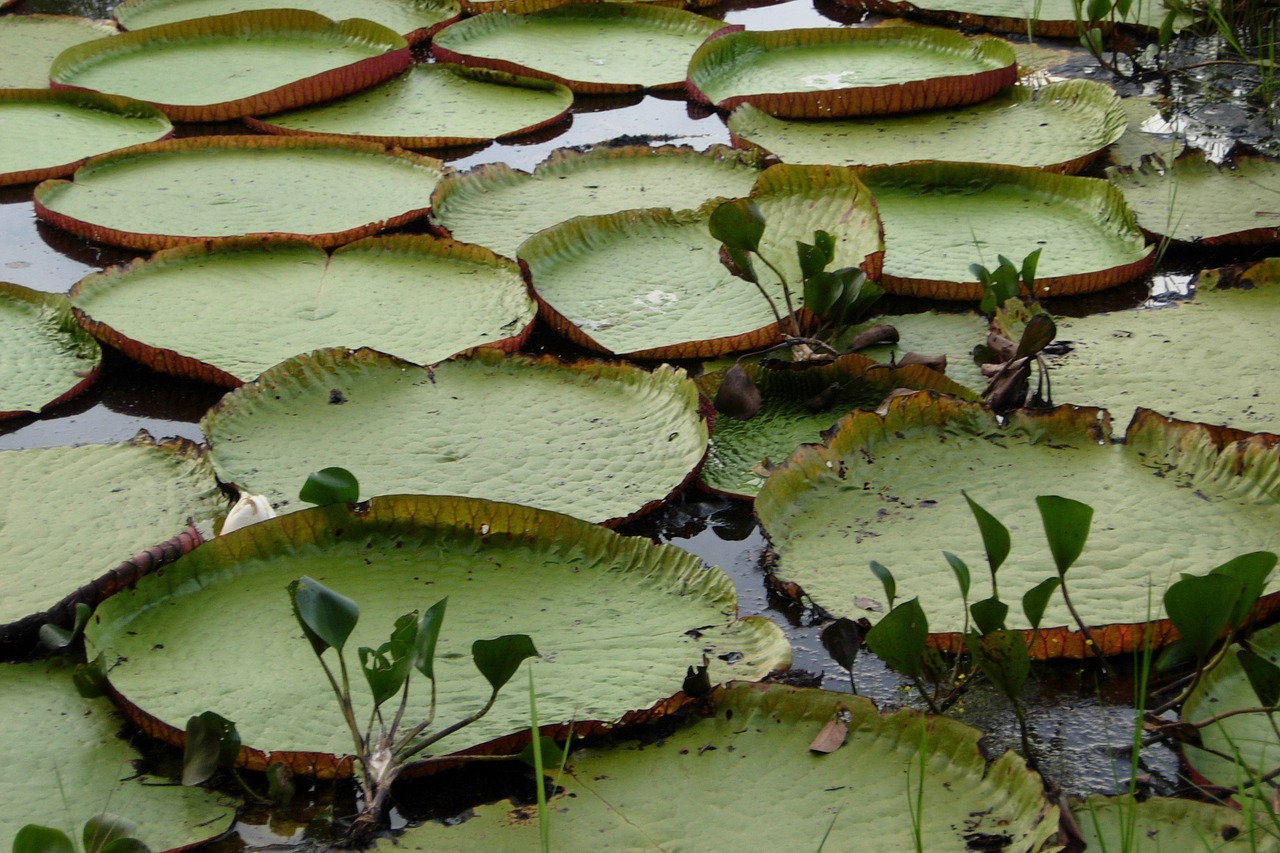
[798, 404]
[68, 763]
[1197, 201]
[45, 358]
[29, 44]
[499, 207]
[939, 218]
[1040, 18]
[651, 284]
[593, 48]
[1157, 357]
[835, 73]
[73, 519]
[47, 134]
[1060, 128]
[229, 66]
[880, 487]
[597, 441]
[177, 191]
[431, 106]
[752, 746]
[618, 621]
[414, 19]
[1168, 824]
[417, 298]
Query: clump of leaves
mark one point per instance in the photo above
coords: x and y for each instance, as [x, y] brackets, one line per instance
[102, 833]
[1006, 364]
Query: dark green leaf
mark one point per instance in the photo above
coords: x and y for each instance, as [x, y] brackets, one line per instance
[1199, 607]
[961, 570]
[499, 658]
[1166, 28]
[813, 258]
[821, 291]
[1029, 264]
[1066, 525]
[103, 829]
[1091, 40]
[1036, 599]
[280, 787]
[424, 647]
[855, 295]
[330, 486]
[697, 681]
[1098, 10]
[1002, 657]
[995, 536]
[89, 679]
[899, 638]
[738, 262]
[1263, 675]
[54, 638]
[886, 580]
[123, 845]
[326, 617]
[42, 839]
[1039, 333]
[1174, 655]
[1123, 7]
[1252, 571]
[989, 615]
[387, 667]
[842, 639]
[738, 224]
[548, 746]
[211, 741]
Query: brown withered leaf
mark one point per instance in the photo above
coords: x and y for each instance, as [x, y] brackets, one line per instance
[832, 736]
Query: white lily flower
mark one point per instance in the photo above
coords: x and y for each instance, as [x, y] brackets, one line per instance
[250, 509]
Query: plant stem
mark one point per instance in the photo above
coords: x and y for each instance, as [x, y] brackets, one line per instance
[1088, 638]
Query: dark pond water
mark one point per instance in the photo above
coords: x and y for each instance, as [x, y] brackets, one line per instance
[1074, 715]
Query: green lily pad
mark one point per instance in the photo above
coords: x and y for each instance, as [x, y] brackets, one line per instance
[597, 441]
[499, 207]
[229, 66]
[29, 44]
[45, 358]
[47, 134]
[1196, 201]
[835, 73]
[73, 519]
[68, 763]
[1060, 128]
[593, 48]
[1167, 824]
[164, 194]
[932, 333]
[617, 620]
[939, 218]
[650, 284]
[414, 19]
[752, 746]
[798, 404]
[431, 106]
[1040, 18]
[1148, 133]
[880, 487]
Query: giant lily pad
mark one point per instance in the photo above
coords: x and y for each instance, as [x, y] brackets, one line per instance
[414, 19]
[45, 134]
[939, 218]
[29, 44]
[1197, 201]
[417, 298]
[592, 48]
[1167, 824]
[798, 403]
[432, 106]
[832, 73]
[178, 191]
[44, 357]
[600, 442]
[651, 284]
[618, 621]
[1045, 18]
[228, 66]
[752, 746]
[74, 518]
[68, 763]
[880, 487]
[1060, 128]
[499, 207]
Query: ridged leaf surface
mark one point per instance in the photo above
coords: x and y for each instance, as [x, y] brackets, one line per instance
[1040, 18]
[411, 18]
[1162, 824]
[29, 44]
[44, 356]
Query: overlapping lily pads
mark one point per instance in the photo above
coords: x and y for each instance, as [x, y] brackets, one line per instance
[44, 356]
[592, 48]
[833, 73]
[1163, 823]
[1197, 201]
[228, 66]
[1060, 127]
[414, 19]
[602, 442]
[499, 207]
[1047, 18]
[1173, 497]
[29, 44]
[651, 284]
[163, 194]
[73, 519]
[47, 134]
[525, 7]
[417, 298]
[753, 746]
[939, 218]
[433, 106]
[617, 621]
[68, 763]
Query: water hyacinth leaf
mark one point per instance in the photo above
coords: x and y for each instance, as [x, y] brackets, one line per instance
[1036, 599]
[211, 742]
[428, 635]
[326, 617]
[45, 358]
[1199, 607]
[821, 291]
[886, 580]
[29, 44]
[499, 658]
[1122, 822]
[842, 639]
[738, 224]
[33, 838]
[995, 536]
[549, 748]
[1039, 333]
[899, 638]
[1263, 675]
[55, 637]
[815, 256]
[1002, 656]
[104, 832]
[1252, 572]
[961, 571]
[1066, 526]
[989, 615]
[387, 667]
[330, 486]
